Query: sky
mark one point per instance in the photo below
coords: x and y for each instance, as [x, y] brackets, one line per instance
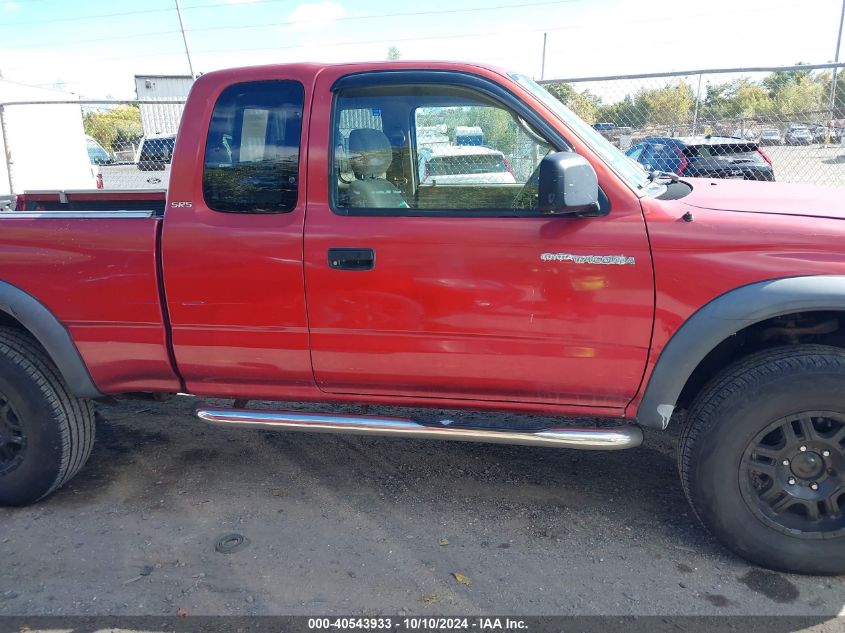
[95, 48]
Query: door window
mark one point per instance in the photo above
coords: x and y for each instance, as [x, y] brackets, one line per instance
[432, 149]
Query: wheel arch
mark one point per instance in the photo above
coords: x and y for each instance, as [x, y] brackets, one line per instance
[719, 320]
[20, 309]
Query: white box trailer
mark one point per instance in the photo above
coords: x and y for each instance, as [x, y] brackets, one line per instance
[42, 144]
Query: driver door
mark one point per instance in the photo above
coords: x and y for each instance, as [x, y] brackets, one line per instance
[458, 291]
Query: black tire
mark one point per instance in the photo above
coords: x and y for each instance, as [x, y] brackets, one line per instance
[738, 453]
[46, 434]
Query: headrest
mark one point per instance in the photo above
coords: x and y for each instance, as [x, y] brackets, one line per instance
[370, 153]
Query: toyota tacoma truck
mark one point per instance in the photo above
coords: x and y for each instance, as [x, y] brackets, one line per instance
[298, 255]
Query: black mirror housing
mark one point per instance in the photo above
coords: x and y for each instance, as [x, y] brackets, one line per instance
[568, 185]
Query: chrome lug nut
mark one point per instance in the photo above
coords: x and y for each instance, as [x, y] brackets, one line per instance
[814, 486]
[825, 453]
[786, 462]
[802, 449]
[791, 481]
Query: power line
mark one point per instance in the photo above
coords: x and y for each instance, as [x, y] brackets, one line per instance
[101, 39]
[99, 16]
[397, 15]
[265, 25]
[568, 27]
[362, 17]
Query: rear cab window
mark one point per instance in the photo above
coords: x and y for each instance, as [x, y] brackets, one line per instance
[252, 149]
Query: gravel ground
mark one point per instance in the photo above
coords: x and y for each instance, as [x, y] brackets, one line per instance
[347, 525]
[813, 164]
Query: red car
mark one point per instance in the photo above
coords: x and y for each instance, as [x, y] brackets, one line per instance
[297, 257]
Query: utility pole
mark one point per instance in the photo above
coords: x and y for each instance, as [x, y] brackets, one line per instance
[836, 61]
[697, 99]
[185, 40]
[543, 62]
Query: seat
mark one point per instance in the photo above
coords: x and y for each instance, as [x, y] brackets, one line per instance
[218, 154]
[370, 156]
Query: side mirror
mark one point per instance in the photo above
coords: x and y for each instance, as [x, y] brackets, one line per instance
[568, 185]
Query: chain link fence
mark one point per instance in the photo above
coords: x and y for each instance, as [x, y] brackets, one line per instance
[781, 123]
[86, 144]
[778, 123]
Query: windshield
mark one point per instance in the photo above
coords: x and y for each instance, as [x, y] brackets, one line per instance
[626, 168]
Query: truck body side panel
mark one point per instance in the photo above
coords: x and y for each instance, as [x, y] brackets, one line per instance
[98, 278]
[233, 281]
[718, 251]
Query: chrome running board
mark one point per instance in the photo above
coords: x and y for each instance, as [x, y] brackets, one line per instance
[612, 438]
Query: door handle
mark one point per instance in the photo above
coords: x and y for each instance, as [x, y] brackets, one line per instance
[352, 258]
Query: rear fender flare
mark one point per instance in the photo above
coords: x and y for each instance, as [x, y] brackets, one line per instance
[721, 318]
[53, 337]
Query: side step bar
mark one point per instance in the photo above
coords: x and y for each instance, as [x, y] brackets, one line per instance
[583, 438]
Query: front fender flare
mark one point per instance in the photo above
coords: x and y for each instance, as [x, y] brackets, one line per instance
[722, 317]
[53, 337]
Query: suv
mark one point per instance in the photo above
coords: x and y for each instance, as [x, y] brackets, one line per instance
[155, 152]
[704, 157]
[799, 135]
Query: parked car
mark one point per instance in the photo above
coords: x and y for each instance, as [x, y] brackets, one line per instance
[770, 136]
[96, 152]
[819, 133]
[746, 135]
[600, 290]
[463, 165]
[604, 126]
[799, 135]
[704, 157]
[155, 152]
[154, 157]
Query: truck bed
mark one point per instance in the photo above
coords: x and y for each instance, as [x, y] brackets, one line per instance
[91, 258]
[95, 200]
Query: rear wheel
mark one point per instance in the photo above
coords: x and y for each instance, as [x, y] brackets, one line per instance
[46, 434]
[762, 458]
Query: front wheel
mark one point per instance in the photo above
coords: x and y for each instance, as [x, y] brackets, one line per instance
[46, 433]
[762, 458]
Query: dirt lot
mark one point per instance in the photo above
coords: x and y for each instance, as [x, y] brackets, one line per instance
[347, 525]
[814, 164]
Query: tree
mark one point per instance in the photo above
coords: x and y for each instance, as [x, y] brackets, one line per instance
[115, 127]
[393, 54]
[775, 82]
[738, 98]
[804, 96]
[585, 104]
[625, 113]
[670, 105]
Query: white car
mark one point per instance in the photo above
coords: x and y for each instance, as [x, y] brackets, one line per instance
[464, 165]
[770, 136]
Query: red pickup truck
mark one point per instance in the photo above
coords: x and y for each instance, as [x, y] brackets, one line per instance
[300, 254]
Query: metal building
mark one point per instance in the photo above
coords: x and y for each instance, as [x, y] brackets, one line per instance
[158, 119]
